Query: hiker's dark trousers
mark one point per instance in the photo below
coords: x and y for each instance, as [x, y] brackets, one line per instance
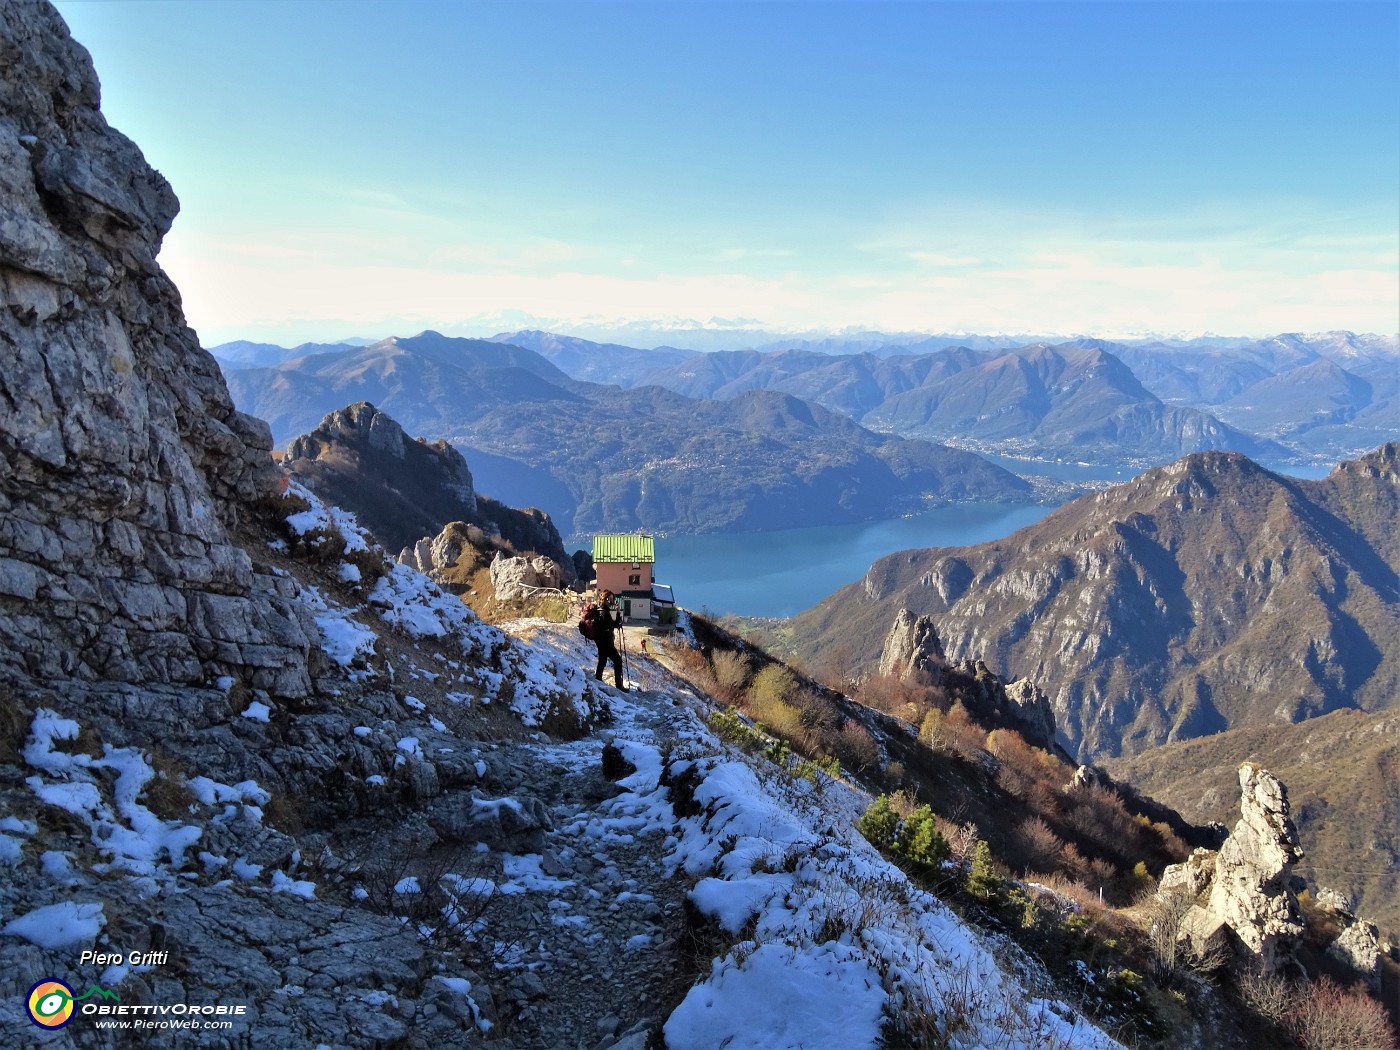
[607, 650]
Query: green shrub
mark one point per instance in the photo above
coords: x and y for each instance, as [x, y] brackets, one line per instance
[880, 824]
[983, 882]
[921, 845]
[778, 753]
[730, 725]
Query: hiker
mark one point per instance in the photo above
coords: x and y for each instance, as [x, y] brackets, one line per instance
[609, 619]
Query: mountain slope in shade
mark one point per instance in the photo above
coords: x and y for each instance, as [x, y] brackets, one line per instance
[1343, 777]
[1203, 595]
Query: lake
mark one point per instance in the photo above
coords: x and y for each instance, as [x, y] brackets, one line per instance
[782, 573]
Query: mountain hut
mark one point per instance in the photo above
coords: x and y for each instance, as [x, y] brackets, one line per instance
[623, 564]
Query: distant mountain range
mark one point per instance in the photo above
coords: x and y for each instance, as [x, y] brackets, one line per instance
[1201, 596]
[605, 458]
[243, 354]
[1141, 403]
[1329, 394]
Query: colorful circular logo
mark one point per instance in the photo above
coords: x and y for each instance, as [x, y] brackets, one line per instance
[50, 1003]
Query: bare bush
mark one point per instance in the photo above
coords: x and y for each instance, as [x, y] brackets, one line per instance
[962, 840]
[1268, 994]
[1330, 1017]
[447, 894]
[1040, 843]
[1161, 917]
[964, 736]
[819, 711]
[856, 747]
[731, 670]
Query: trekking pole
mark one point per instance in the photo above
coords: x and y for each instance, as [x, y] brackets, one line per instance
[623, 631]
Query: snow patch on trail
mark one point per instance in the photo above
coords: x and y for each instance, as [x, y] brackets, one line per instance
[832, 931]
[133, 837]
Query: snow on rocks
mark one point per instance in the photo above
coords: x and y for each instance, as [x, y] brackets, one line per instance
[539, 684]
[137, 841]
[59, 927]
[322, 523]
[347, 642]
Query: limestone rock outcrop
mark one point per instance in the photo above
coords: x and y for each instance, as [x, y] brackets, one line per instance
[1020, 702]
[1032, 708]
[435, 555]
[126, 466]
[913, 651]
[400, 488]
[1358, 945]
[1251, 907]
[518, 577]
[1191, 877]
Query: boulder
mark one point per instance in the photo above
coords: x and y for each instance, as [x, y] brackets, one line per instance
[514, 825]
[519, 576]
[1191, 877]
[1358, 947]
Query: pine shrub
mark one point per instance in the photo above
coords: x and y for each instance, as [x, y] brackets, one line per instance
[983, 881]
[921, 845]
[880, 824]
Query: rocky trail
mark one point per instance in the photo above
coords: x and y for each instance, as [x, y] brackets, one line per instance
[587, 927]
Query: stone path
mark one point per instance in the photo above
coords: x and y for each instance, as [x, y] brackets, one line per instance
[596, 957]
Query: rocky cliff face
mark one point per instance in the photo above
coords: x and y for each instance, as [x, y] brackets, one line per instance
[126, 465]
[405, 490]
[1200, 596]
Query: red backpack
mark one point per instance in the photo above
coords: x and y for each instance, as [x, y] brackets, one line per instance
[588, 626]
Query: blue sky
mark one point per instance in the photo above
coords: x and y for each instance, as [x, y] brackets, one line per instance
[1110, 168]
